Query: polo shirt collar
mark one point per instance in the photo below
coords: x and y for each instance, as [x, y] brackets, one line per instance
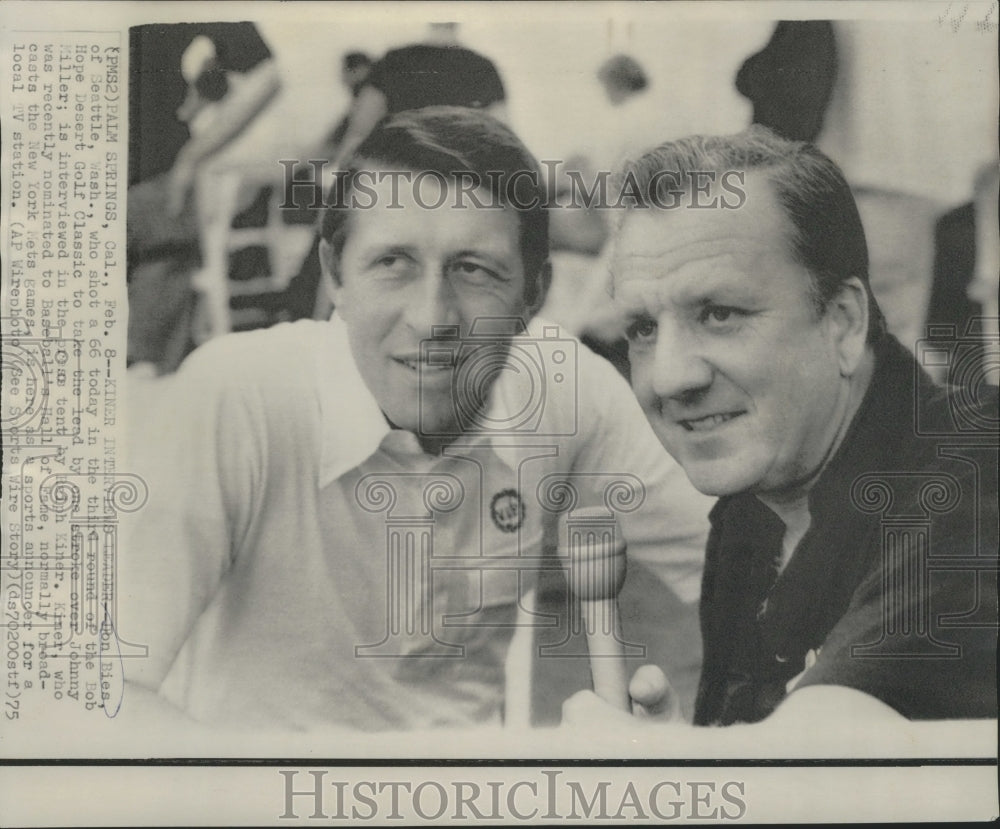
[352, 423]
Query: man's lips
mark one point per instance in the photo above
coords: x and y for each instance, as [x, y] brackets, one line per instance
[415, 363]
[706, 423]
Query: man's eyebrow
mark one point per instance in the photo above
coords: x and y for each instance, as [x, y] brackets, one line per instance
[383, 249]
[478, 253]
[638, 312]
[633, 304]
[716, 288]
[645, 299]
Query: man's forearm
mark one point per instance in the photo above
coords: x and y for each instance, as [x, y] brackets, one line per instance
[234, 112]
[368, 109]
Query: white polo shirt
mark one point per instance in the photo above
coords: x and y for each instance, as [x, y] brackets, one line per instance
[300, 563]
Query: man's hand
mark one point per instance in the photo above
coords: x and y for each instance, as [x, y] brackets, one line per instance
[653, 699]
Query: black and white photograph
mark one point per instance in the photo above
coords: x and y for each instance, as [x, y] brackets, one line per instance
[498, 413]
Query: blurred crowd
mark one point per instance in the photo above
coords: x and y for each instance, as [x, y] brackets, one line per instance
[219, 240]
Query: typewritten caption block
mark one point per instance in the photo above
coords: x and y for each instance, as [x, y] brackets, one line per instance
[63, 349]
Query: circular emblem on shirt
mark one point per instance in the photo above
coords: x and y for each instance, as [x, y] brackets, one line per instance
[507, 510]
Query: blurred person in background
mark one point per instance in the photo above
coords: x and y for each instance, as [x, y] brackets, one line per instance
[985, 283]
[790, 81]
[580, 298]
[354, 71]
[967, 272]
[435, 72]
[195, 87]
[355, 67]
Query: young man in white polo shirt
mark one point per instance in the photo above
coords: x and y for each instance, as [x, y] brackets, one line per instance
[346, 515]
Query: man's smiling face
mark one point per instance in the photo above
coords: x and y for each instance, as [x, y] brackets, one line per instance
[407, 266]
[735, 369]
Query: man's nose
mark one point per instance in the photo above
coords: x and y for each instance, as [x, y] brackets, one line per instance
[679, 367]
[432, 301]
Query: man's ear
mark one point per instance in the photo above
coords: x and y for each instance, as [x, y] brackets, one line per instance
[847, 313]
[535, 299]
[330, 266]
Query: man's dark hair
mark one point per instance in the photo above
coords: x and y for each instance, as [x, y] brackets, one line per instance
[623, 72]
[462, 145]
[827, 235]
[353, 60]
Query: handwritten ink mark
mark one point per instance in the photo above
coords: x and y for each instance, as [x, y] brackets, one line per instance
[109, 625]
